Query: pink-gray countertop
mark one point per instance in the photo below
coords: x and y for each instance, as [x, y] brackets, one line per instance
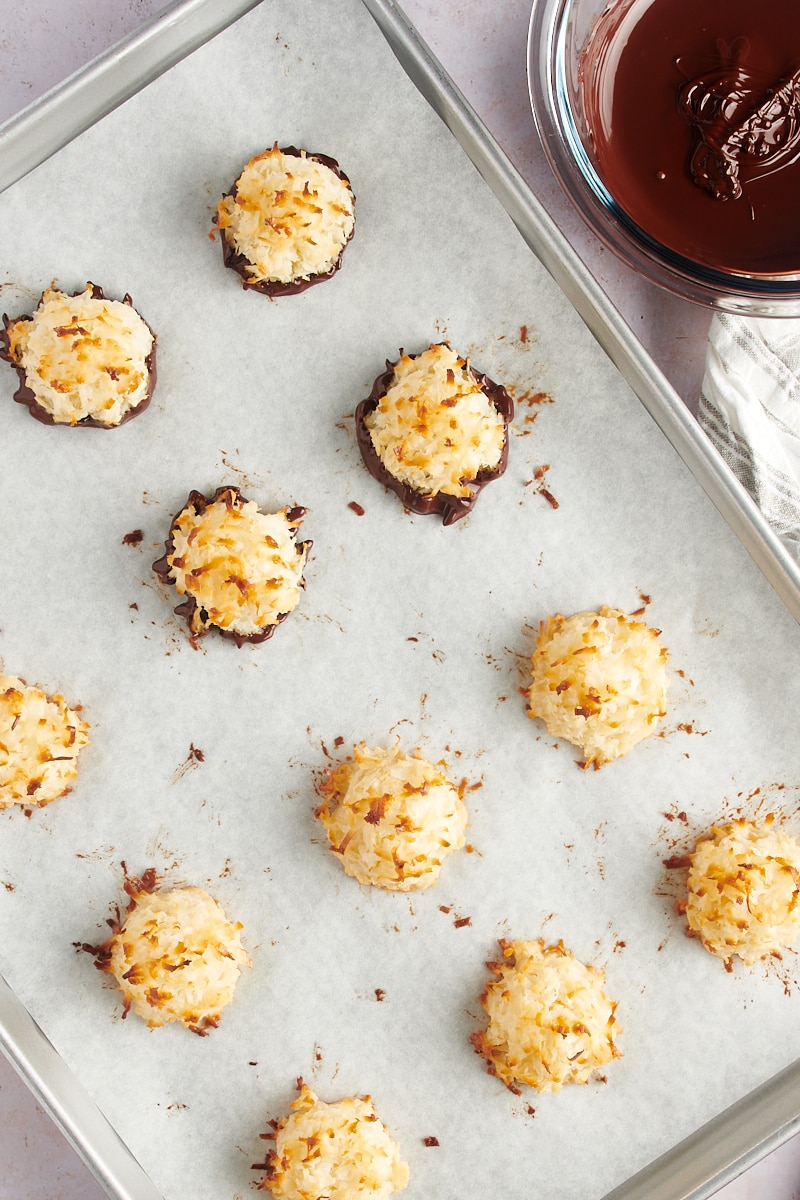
[483, 46]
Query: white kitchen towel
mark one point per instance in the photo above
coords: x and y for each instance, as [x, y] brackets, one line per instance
[750, 408]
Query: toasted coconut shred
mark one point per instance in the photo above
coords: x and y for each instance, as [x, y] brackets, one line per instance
[435, 427]
[176, 958]
[289, 215]
[599, 680]
[242, 567]
[743, 891]
[392, 818]
[40, 740]
[550, 1021]
[83, 356]
[339, 1151]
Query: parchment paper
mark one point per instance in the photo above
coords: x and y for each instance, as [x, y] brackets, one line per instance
[406, 630]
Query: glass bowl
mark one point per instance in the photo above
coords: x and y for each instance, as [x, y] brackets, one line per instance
[559, 32]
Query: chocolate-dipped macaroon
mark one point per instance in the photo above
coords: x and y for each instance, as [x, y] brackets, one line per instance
[240, 569]
[82, 359]
[286, 221]
[435, 431]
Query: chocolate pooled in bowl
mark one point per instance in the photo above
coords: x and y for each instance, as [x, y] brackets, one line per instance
[672, 125]
[692, 107]
[286, 221]
[435, 431]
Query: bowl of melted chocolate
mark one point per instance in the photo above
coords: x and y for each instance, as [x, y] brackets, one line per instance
[674, 126]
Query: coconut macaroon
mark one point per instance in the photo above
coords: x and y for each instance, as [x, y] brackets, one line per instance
[341, 1151]
[40, 740]
[391, 818]
[743, 891]
[240, 569]
[286, 221]
[599, 680]
[550, 1020]
[175, 957]
[435, 431]
[82, 359]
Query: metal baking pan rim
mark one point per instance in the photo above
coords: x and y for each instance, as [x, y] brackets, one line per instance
[63, 1097]
[78, 102]
[762, 1120]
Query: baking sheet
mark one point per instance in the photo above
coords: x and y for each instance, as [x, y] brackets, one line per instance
[405, 629]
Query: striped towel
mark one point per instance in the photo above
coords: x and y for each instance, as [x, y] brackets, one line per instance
[750, 408]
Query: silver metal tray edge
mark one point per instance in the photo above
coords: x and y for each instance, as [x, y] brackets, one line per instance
[64, 112]
[61, 1095]
[742, 1134]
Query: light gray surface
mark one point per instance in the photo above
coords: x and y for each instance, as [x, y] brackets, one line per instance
[44, 43]
[34, 134]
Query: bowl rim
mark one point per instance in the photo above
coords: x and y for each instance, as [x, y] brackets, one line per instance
[738, 292]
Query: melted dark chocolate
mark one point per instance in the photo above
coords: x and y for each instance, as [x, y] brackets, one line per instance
[693, 102]
[25, 395]
[188, 607]
[452, 508]
[745, 126]
[274, 287]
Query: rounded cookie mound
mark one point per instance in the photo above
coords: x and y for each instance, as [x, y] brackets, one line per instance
[286, 221]
[240, 569]
[82, 359]
[743, 891]
[391, 818]
[40, 740]
[550, 1021]
[176, 957]
[341, 1151]
[435, 431]
[599, 680]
